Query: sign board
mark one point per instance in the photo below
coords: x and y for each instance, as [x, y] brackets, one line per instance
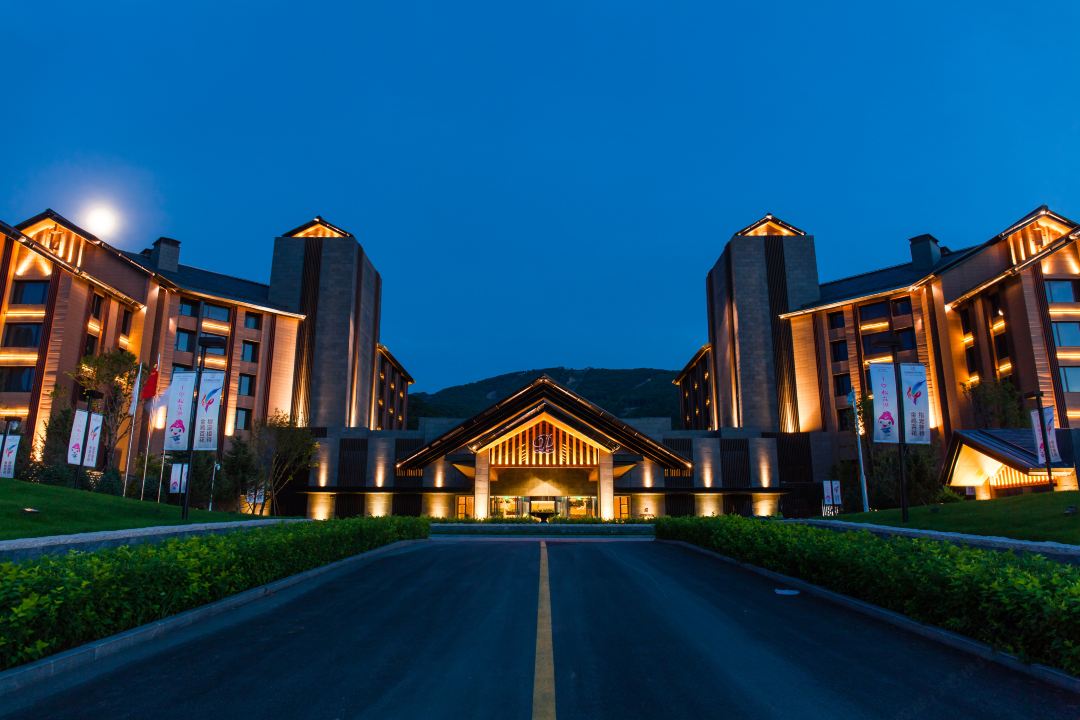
[93, 441]
[1051, 435]
[206, 414]
[886, 406]
[916, 404]
[178, 478]
[178, 412]
[7, 459]
[75, 442]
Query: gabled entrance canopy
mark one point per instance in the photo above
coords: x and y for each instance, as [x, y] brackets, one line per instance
[545, 401]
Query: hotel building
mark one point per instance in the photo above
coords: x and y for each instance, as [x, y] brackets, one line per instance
[306, 344]
[764, 402]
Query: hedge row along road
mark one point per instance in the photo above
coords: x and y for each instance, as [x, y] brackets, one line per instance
[463, 628]
[55, 603]
[1023, 604]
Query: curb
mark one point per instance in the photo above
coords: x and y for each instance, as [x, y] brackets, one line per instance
[1053, 676]
[23, 676]
[553, 530]
[1070, 553]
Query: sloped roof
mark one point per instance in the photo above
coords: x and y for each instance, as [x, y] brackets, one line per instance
[207, 282]
[544, 395]
[769, 219]
[318, 220]
[1014, 447]
[885, 279]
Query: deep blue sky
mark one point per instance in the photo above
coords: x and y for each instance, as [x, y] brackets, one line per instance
[546, 183]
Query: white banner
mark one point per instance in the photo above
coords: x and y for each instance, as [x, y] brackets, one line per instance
[11, 451]
[916, 404]
[886, 407]
[1051, 435]
[826, 488]
[206, 415]
[93, 441]
[836, 492]
[178, 478]
[178, 414]
[75, 442]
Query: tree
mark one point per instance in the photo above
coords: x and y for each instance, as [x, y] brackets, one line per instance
[241, 466]
[996, 404]
[282, 450]
[113, 375]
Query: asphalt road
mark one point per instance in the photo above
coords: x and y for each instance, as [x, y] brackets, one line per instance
[448, 629]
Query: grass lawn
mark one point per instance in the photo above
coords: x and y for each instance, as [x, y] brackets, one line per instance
[1024, 517]
[65, 511]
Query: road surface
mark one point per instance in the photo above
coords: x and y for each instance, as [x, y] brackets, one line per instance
[637, 629]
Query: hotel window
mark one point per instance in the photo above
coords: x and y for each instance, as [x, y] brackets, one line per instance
[19, 379]
[125, 322]
[841, 385]
[622, 507]
[901, 306]
[1001, 347]
[253, 321]
[29, 292]
[965, 320]
[188, 308]
[243, 419]
[216, 350]
[464, 506]
[972, 358]
[1067, 334]
[836, 320]
[185, 341]
[838, 350]
[844, 418]
[875, 311]
[215, 312]
[96, 304]
[22, 335]
[1060, 291]
[249, 352]
[995, 308]
[870, 343]
[90, 347]
[247, 385]
[180, 367]
[1070, 378]
[906, 338]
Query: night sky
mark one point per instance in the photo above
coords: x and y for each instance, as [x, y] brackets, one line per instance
[546, 183]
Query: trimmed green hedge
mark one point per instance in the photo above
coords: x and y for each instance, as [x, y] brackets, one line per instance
[1022, 604]
[59, 602]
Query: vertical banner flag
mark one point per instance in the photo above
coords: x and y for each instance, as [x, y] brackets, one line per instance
[7, 461]
[78, 430]
[1051, 434]
[135, 393]
[178, 413]
[886, 407]
[206, 415]
[826, 488]
[178, 478]
[836, 492]
[916, 404]
[93, 440]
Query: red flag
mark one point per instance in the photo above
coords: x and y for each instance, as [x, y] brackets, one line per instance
[149, 389]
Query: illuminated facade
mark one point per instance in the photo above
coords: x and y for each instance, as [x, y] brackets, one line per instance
[67, 294]
[542, 451]
[786, 350]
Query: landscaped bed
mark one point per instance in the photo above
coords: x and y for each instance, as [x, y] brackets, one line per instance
[1039, 516]
[1025, 605]
[55, 603]
[62, 511]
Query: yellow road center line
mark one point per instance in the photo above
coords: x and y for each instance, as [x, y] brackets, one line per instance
[544, 673]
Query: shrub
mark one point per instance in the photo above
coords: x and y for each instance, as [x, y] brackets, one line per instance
[58, 602]
[1022, 604]
[948, 495]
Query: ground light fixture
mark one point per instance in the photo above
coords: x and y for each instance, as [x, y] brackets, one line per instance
[206, 342]
[1037, 396]
[894, 345]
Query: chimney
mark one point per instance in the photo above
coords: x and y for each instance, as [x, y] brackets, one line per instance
[925, 252]
[166, 254]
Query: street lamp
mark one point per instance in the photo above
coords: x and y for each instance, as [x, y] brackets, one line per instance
[90, 396]
[1037, 396]
[893, 345]
[206, 342]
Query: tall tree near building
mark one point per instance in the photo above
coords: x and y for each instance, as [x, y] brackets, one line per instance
[996, 404]
[113, 375]
[283, 449]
